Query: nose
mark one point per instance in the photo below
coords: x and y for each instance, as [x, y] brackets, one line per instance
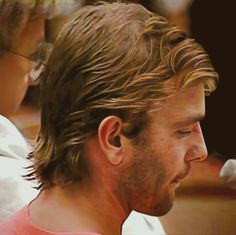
[34, 73]
[198, 150]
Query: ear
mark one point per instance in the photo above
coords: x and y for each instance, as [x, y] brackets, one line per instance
[109, 135]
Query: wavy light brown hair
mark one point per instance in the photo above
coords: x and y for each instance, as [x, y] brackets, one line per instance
[109, 59]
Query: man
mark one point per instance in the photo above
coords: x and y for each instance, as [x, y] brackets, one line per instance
[122, 98]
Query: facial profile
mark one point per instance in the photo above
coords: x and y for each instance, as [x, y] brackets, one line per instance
[162, 156]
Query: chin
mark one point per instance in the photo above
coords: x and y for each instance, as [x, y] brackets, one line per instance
[158, 209]
[163, 210]
[164, 205]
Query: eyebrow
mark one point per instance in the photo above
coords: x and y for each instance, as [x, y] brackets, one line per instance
[189, 121]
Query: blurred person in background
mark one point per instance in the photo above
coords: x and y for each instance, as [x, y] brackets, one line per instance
[120, 121]
[22, 33]
[22, 43]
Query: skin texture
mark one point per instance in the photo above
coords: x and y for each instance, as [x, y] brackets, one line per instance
[124, 174]
[14, 68]
[14, 82]
[164, 155]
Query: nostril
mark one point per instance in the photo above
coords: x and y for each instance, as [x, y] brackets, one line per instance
[197, 153]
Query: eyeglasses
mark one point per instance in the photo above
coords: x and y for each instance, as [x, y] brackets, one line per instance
[37, 60]
[36, 67]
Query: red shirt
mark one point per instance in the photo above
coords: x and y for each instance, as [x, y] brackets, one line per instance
[19, 224]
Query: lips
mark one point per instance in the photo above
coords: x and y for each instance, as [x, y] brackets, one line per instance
[180, 177]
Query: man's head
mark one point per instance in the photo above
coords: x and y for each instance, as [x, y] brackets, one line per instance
[123, 83]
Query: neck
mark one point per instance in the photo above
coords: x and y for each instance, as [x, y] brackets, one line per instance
[90, 207]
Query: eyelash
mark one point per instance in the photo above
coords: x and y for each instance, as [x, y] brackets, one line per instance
[184, 133]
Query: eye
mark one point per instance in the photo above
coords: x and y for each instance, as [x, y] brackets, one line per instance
[184, 132]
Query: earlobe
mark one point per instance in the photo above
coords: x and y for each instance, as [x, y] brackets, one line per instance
[109, 132]
[114, 158]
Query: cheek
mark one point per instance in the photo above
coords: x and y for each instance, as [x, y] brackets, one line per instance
[12, 90]
[147, 168]
[171, 158]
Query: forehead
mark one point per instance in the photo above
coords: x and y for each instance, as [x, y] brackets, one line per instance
[189, 104]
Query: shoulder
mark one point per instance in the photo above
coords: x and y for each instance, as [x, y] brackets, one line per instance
[9, 226]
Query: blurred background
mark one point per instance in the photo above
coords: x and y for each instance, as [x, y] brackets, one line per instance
[205, 205]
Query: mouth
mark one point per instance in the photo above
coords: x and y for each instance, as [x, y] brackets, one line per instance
[177, 180]
[180, 177]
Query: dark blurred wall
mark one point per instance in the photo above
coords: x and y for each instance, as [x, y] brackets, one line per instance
[213, 24]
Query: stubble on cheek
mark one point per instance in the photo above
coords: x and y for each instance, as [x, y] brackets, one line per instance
[145, 186]
[144, 175]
